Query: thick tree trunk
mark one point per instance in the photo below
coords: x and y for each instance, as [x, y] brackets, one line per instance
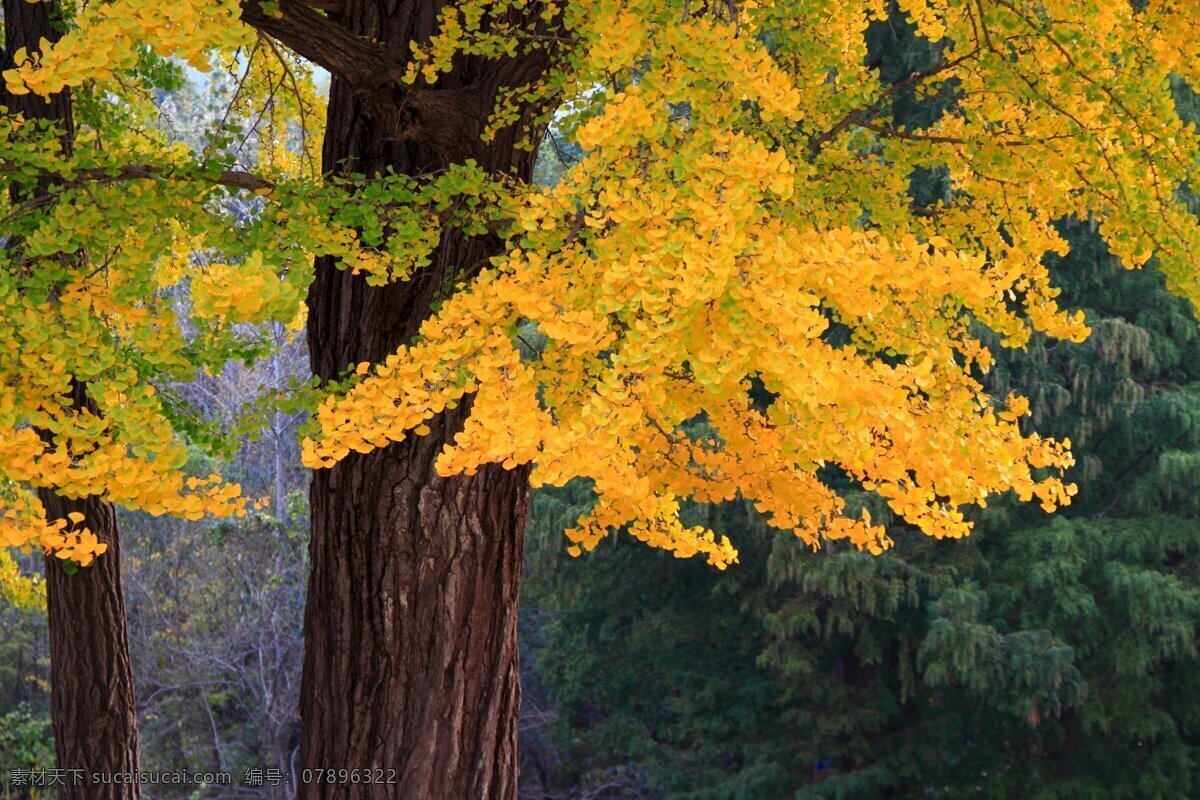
[410, 662]
[410, 633]
[92, 703]
[93, 707]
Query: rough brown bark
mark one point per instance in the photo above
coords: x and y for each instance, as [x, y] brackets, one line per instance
[410, 660]
[92, 702]
[25, 25]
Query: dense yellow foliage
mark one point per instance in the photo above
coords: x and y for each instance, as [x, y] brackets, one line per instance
[691, 251]
[739, 225]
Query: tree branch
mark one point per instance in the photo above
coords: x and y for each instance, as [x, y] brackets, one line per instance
[866, 112]
[301, 27]
[232, 179]
[440, 117]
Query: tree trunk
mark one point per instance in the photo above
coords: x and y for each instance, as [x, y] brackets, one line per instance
[410, 662]
[92, 702]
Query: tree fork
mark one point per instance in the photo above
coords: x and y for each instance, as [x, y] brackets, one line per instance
[93, 705]
[410, 664]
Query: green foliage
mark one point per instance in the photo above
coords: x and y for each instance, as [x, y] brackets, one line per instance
[26, 743]
[658, 685]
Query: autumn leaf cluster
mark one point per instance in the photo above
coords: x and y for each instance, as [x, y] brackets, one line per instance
[731, 292]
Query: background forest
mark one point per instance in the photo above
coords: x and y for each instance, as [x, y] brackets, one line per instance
[1042, 657]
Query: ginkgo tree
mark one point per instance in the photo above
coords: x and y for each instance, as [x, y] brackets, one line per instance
[84, 356]
[731, 292]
